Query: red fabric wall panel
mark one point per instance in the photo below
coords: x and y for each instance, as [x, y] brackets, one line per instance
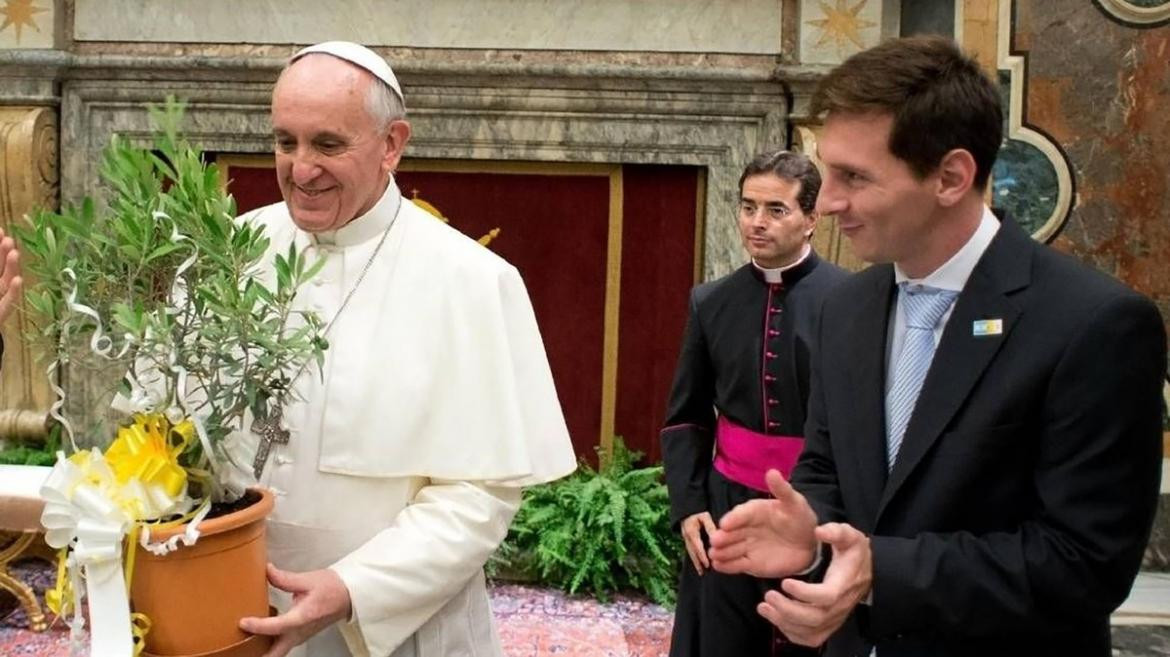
[658, 262]
[253, 187]
[553, 228]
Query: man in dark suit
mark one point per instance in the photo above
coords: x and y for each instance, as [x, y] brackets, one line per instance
[984, 433]
[10, 280]
[745, 356]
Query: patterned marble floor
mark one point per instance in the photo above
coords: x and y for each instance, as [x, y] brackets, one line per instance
[535, 622]
[532, 622]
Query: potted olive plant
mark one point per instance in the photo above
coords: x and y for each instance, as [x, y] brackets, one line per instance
[150, 293]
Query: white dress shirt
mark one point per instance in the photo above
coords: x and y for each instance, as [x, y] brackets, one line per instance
[951, 275]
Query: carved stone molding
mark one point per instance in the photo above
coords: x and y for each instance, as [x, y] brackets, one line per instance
[31, 77]
[28, 180]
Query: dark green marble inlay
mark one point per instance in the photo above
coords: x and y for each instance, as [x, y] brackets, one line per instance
[928, 17]
[1149, 4]
[1024, 182]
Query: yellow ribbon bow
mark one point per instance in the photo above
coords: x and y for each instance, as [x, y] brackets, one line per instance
[148, 451]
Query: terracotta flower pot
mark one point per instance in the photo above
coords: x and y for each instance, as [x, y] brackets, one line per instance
[196, 595]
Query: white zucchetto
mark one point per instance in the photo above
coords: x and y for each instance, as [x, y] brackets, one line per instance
[357, 55]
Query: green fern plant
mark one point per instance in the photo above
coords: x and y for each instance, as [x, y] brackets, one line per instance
[597, 532]
[44, 454]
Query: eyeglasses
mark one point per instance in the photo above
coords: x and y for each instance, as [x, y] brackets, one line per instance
[774, 211]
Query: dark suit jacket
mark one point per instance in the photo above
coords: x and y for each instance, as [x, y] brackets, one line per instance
[1022, 498]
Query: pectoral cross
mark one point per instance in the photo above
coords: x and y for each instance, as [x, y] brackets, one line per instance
[270, 432]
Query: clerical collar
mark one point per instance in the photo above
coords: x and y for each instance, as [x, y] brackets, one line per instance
[369, 226]
[788, 273]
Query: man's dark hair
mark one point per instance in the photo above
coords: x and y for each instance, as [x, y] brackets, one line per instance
[940, 100]
[790, 166]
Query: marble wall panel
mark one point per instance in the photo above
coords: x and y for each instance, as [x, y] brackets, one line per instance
[743, 26]
[1100, 88]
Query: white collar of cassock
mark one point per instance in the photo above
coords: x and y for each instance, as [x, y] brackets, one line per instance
[369, 226]
[776, 275]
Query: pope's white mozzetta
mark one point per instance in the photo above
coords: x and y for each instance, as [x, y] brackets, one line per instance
[408, 452]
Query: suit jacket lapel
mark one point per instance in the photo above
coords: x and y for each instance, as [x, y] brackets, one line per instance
[962, 356]
[866, 358]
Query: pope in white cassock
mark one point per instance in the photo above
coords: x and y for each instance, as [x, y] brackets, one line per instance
[405, 458]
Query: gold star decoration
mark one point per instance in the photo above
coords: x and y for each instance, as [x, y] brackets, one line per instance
[841, 24]
[19, 13]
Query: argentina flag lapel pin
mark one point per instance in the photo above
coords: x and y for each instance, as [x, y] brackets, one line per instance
[987, 327]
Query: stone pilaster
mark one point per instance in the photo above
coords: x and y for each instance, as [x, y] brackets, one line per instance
[28, 180]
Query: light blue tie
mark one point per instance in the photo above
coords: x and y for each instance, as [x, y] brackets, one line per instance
[923, 307]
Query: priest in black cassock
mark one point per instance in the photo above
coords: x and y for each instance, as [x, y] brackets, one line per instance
[738, 402]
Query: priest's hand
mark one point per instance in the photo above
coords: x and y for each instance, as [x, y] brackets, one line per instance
[320, 599]
[811, 613]
[10, 279]
[767, 538]
[692, 528]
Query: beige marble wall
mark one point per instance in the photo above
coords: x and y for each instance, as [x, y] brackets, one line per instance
[742, 26]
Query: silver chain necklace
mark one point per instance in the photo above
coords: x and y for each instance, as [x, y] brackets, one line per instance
[271, 429]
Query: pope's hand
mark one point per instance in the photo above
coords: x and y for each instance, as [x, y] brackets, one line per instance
[767, 538]
[320, 599]
[10, 280]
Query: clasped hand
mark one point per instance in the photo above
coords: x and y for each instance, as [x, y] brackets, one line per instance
[778, 538]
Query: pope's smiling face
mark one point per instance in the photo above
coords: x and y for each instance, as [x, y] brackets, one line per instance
[333, 160]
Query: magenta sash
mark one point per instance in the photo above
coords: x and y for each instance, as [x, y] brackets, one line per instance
[743, 456]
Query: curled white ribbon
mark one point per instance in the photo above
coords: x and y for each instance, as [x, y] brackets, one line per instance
[59, 403]
[189, 536]
[221, 480]
[99, 343]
